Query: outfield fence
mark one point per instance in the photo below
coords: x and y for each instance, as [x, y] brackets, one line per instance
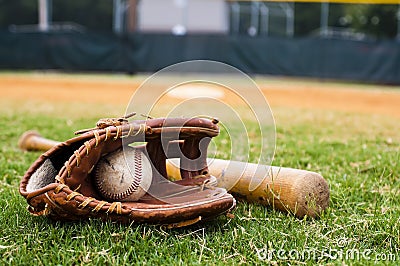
[367, 61]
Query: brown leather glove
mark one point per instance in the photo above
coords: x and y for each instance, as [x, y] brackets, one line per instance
[60, 184]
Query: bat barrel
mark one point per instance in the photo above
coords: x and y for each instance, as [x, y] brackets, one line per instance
[303, 193]
[291, 190]
[33, 141]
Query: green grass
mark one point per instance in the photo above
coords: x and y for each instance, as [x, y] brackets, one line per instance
[358, 154]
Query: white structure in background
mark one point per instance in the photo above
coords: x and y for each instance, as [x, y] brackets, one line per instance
[44, 15]
[193, 16]
[183, 16]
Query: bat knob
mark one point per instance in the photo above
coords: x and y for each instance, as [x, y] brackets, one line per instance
[32, 141]
[26, 139]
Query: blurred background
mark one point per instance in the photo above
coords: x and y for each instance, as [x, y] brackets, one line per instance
[342, 40]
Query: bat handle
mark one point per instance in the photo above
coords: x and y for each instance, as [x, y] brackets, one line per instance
[33, 141]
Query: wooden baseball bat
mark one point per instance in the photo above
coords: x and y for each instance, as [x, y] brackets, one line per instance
[289, 190]
[300, 192]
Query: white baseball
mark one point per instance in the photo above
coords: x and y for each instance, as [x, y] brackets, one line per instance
[124, 175]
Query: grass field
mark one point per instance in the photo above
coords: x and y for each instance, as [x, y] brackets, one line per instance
[354, 143]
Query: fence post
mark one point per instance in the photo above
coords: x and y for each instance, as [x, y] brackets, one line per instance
[44, 15]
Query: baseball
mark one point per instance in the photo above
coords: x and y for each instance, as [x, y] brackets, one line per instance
[124, 175]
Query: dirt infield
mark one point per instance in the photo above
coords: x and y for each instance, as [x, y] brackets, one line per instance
[369, 99]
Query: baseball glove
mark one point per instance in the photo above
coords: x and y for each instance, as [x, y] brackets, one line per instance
[63, 183]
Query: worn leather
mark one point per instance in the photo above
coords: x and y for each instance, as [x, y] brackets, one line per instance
[72, 195]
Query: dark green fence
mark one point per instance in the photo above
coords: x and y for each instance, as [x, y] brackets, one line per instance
[322, 58]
